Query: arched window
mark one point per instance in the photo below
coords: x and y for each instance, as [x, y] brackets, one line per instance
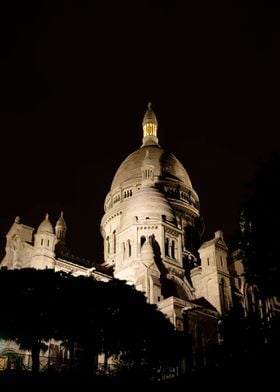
[166, 246]
[129, 248]
[173, 249]
[142, 240]
[108, 244]
[114, 241]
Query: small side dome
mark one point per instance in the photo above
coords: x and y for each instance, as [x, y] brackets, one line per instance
[61, 228]
[45, 226]
[61, 224]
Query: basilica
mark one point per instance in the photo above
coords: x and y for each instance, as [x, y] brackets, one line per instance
[152, 230]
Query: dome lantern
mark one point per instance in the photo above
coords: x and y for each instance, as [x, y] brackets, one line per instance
[150, 126]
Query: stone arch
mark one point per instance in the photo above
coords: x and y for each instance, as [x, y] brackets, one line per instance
[10, 359]
[183, 287]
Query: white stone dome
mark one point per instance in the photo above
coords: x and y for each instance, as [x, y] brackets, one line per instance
[148, 203]
[45, 226]
[166, 167]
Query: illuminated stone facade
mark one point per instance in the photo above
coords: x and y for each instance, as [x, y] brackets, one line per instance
[152, 232]
[46, 249]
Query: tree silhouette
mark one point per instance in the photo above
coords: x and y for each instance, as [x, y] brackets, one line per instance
[259, 223]
[99, 317]
[26, 310]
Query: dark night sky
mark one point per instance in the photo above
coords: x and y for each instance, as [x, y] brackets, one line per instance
[74, 84]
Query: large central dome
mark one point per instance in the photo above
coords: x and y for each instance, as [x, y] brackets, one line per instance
[152, 166]
[151, 201]
[166, 167]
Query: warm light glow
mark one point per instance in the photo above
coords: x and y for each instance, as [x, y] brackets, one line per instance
[150, 129]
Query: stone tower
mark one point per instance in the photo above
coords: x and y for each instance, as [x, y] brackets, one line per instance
[44, 245]
[212, 280]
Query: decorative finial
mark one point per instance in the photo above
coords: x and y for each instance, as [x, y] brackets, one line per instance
[47, 216]
[61, 214]
[17, 219]
[149, 105]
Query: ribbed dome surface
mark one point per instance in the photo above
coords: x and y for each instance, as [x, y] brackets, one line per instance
[166, 167]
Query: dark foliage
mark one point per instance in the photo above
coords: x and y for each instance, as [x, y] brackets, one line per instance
[111, 318]
[250, 345]
[260, 229]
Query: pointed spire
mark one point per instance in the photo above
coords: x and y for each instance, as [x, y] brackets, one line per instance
[150, 126]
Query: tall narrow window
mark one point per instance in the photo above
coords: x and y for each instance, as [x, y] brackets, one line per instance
[129, 248]
[48, 242]
[221, 258]
[114, 241]
[108, 244]
[166, 245]
[143, 239]
[208, 261]
[42, 241]
[173, 249]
